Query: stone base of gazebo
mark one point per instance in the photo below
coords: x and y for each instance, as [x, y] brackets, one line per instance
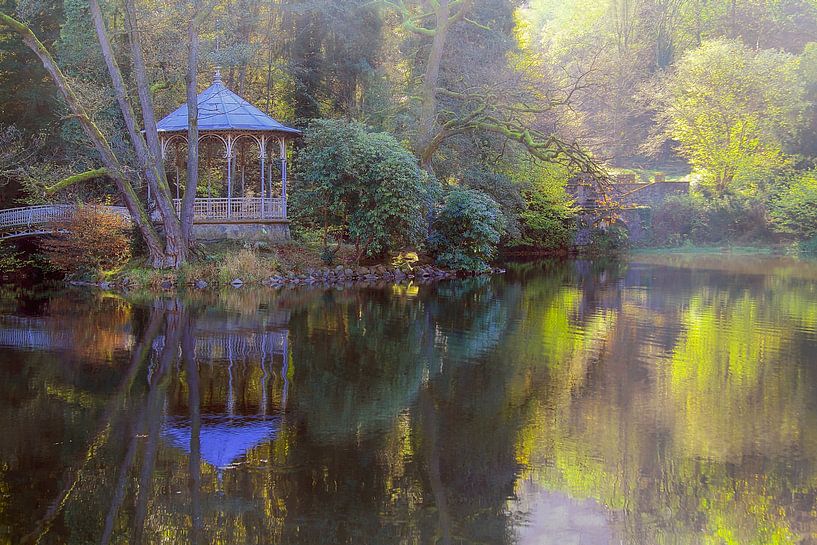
[251, 231]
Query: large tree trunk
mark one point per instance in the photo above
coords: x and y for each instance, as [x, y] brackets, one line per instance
[428, 106]
[426, 143]
[177, 246]
[112, 164]
[192, 124]
[149, 162]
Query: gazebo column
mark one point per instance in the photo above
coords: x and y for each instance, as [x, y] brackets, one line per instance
[229, 143]
[176, 161]
[262, 154]
[283, 145]
[242, 154]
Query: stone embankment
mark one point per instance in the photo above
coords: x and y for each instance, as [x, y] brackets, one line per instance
[345, 276]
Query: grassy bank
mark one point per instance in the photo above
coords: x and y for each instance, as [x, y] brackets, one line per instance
[223, 262]
[226, 263]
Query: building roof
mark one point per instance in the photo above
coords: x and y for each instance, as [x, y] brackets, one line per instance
[222, 110]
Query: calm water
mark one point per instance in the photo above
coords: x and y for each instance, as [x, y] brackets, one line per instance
[660, 401]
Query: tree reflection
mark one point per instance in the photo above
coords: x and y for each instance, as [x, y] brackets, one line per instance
[702, 433]
[647, 405]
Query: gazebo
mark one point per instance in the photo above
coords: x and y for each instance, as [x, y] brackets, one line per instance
[242, 203]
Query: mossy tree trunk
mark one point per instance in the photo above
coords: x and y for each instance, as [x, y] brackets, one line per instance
[191, 77]
[114, 167]
[177, 244]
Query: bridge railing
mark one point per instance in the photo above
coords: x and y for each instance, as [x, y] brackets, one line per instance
[34, 215]
[28, 219]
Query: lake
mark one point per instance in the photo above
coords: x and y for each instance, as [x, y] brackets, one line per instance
[664, 399]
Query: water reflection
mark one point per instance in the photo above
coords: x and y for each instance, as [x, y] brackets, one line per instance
[646, 402]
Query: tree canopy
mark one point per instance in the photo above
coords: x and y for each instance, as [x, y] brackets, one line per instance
[721, 93]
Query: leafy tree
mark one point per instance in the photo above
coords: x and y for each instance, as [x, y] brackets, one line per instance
[466, 230]
[548, 219]
[361, 184]
[731, 109]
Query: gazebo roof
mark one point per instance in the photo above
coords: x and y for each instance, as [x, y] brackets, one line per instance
[223, 441]
[222, 110]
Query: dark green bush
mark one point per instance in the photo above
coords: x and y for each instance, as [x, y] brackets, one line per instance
[808, 248]
[507, 193]
[693, 219]
[678, 219]
[609, 240]
[362, 184]
[466, 230]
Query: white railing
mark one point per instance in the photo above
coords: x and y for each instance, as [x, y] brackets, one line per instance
[35, 215]
[246, 208]
[27, 220]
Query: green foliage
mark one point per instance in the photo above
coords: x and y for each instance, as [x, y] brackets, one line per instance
[793, 210]
[679, 219]
[10, 259]
[362, 183]
[731, 108]
[466, 230]
[609, 240]
[506, 190]
[693, 219]
[808, 248]
[548, 220]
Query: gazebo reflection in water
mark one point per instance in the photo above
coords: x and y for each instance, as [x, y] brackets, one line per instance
[243, 384]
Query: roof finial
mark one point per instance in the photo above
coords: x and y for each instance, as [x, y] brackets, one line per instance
[217, 77]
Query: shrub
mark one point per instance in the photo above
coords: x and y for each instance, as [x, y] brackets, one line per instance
[693, 219]
[10, 259]
[245, 265]
[364, 184]
[793, 210]
[405, 260]
[506, 191]
[94, 240]
[610, 240]
[677, 219]
[808, 248]
[466, 230]
[549, 218]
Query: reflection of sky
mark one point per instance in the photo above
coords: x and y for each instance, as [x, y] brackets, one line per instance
[223, 441]
[543, 517]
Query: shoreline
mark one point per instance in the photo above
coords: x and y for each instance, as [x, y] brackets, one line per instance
[339, 276]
